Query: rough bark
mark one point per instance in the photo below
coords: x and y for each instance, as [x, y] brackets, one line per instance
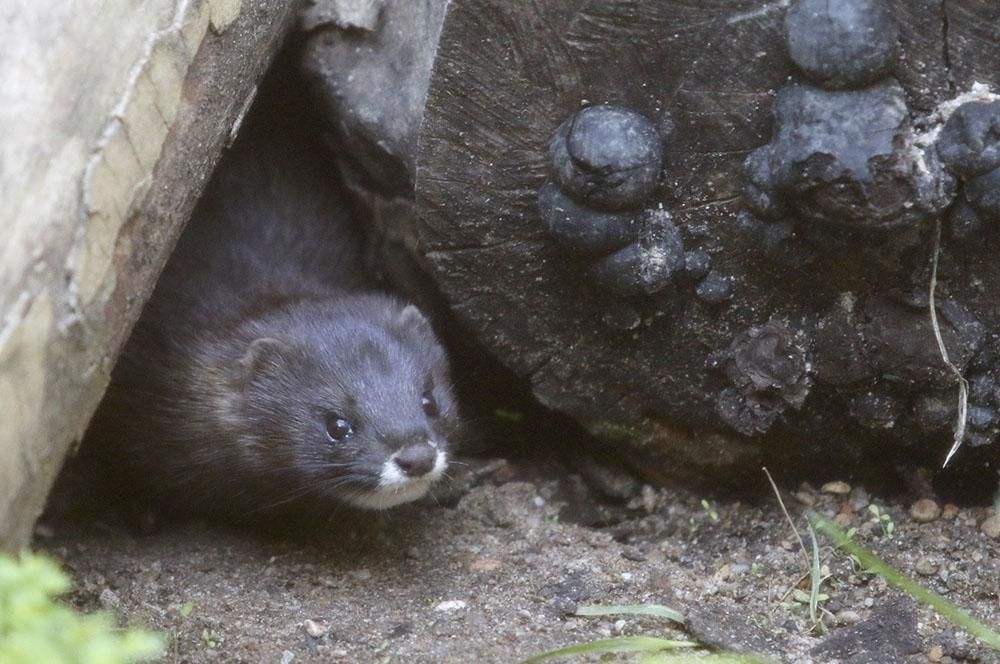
[111, 121]
[368, 63]
[768, 293]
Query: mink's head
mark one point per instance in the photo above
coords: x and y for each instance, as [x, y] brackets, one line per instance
[347, 400]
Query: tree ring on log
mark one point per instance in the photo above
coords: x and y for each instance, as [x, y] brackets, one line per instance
[787, 208]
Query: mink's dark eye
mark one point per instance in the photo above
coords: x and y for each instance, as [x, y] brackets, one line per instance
[429, 405]
[337, 428]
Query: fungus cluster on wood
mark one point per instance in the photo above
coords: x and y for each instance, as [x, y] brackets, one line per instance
[741, 167]
[881, 356]
[844, 153]
[769, 373]
[607, 157]
[969, 146]
[848, 169]
[606, 164]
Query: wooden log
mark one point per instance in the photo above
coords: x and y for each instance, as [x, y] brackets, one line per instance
[588, 204]
[112, 116]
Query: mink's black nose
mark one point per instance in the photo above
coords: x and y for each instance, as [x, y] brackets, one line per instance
[416, 460]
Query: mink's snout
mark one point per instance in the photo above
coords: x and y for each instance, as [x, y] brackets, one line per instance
[416, 460]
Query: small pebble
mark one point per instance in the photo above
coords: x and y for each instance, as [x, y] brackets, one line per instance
[926, 567]
[949, 511]
[649, 499]
[361, 575]
[805, 498]
[844, 520]
[484, 565]
[287, 657]
[400, 629]
[935, 654]
[315, 628]
[738, 569]
[991, 526]
[538, 501]
[859, 499]
[848, 617]
[450, 606]
[925, 510]
[633, 554]
[837, 488]
[109, 600]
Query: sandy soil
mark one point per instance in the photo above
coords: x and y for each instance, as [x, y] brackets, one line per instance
[492, 568]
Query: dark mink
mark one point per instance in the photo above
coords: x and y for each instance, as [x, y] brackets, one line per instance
[266, 370]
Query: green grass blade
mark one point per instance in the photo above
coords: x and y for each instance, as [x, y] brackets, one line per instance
[815, 580]
[895, 578]
[632, 609]
[621, 644]
[703, 658]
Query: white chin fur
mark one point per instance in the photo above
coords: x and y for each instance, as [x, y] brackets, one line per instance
[395, 488]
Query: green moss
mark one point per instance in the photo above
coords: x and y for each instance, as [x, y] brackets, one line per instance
[35, 628]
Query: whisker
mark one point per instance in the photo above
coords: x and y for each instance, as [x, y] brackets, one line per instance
[321, 485]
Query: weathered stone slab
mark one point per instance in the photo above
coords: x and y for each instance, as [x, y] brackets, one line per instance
[111, 120]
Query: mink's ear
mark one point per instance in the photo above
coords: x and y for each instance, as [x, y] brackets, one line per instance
[260, 354]
[411, 318]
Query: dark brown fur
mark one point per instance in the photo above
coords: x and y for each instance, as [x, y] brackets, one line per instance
[262, 325]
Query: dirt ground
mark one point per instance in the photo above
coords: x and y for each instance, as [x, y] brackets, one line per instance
[493, 566]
